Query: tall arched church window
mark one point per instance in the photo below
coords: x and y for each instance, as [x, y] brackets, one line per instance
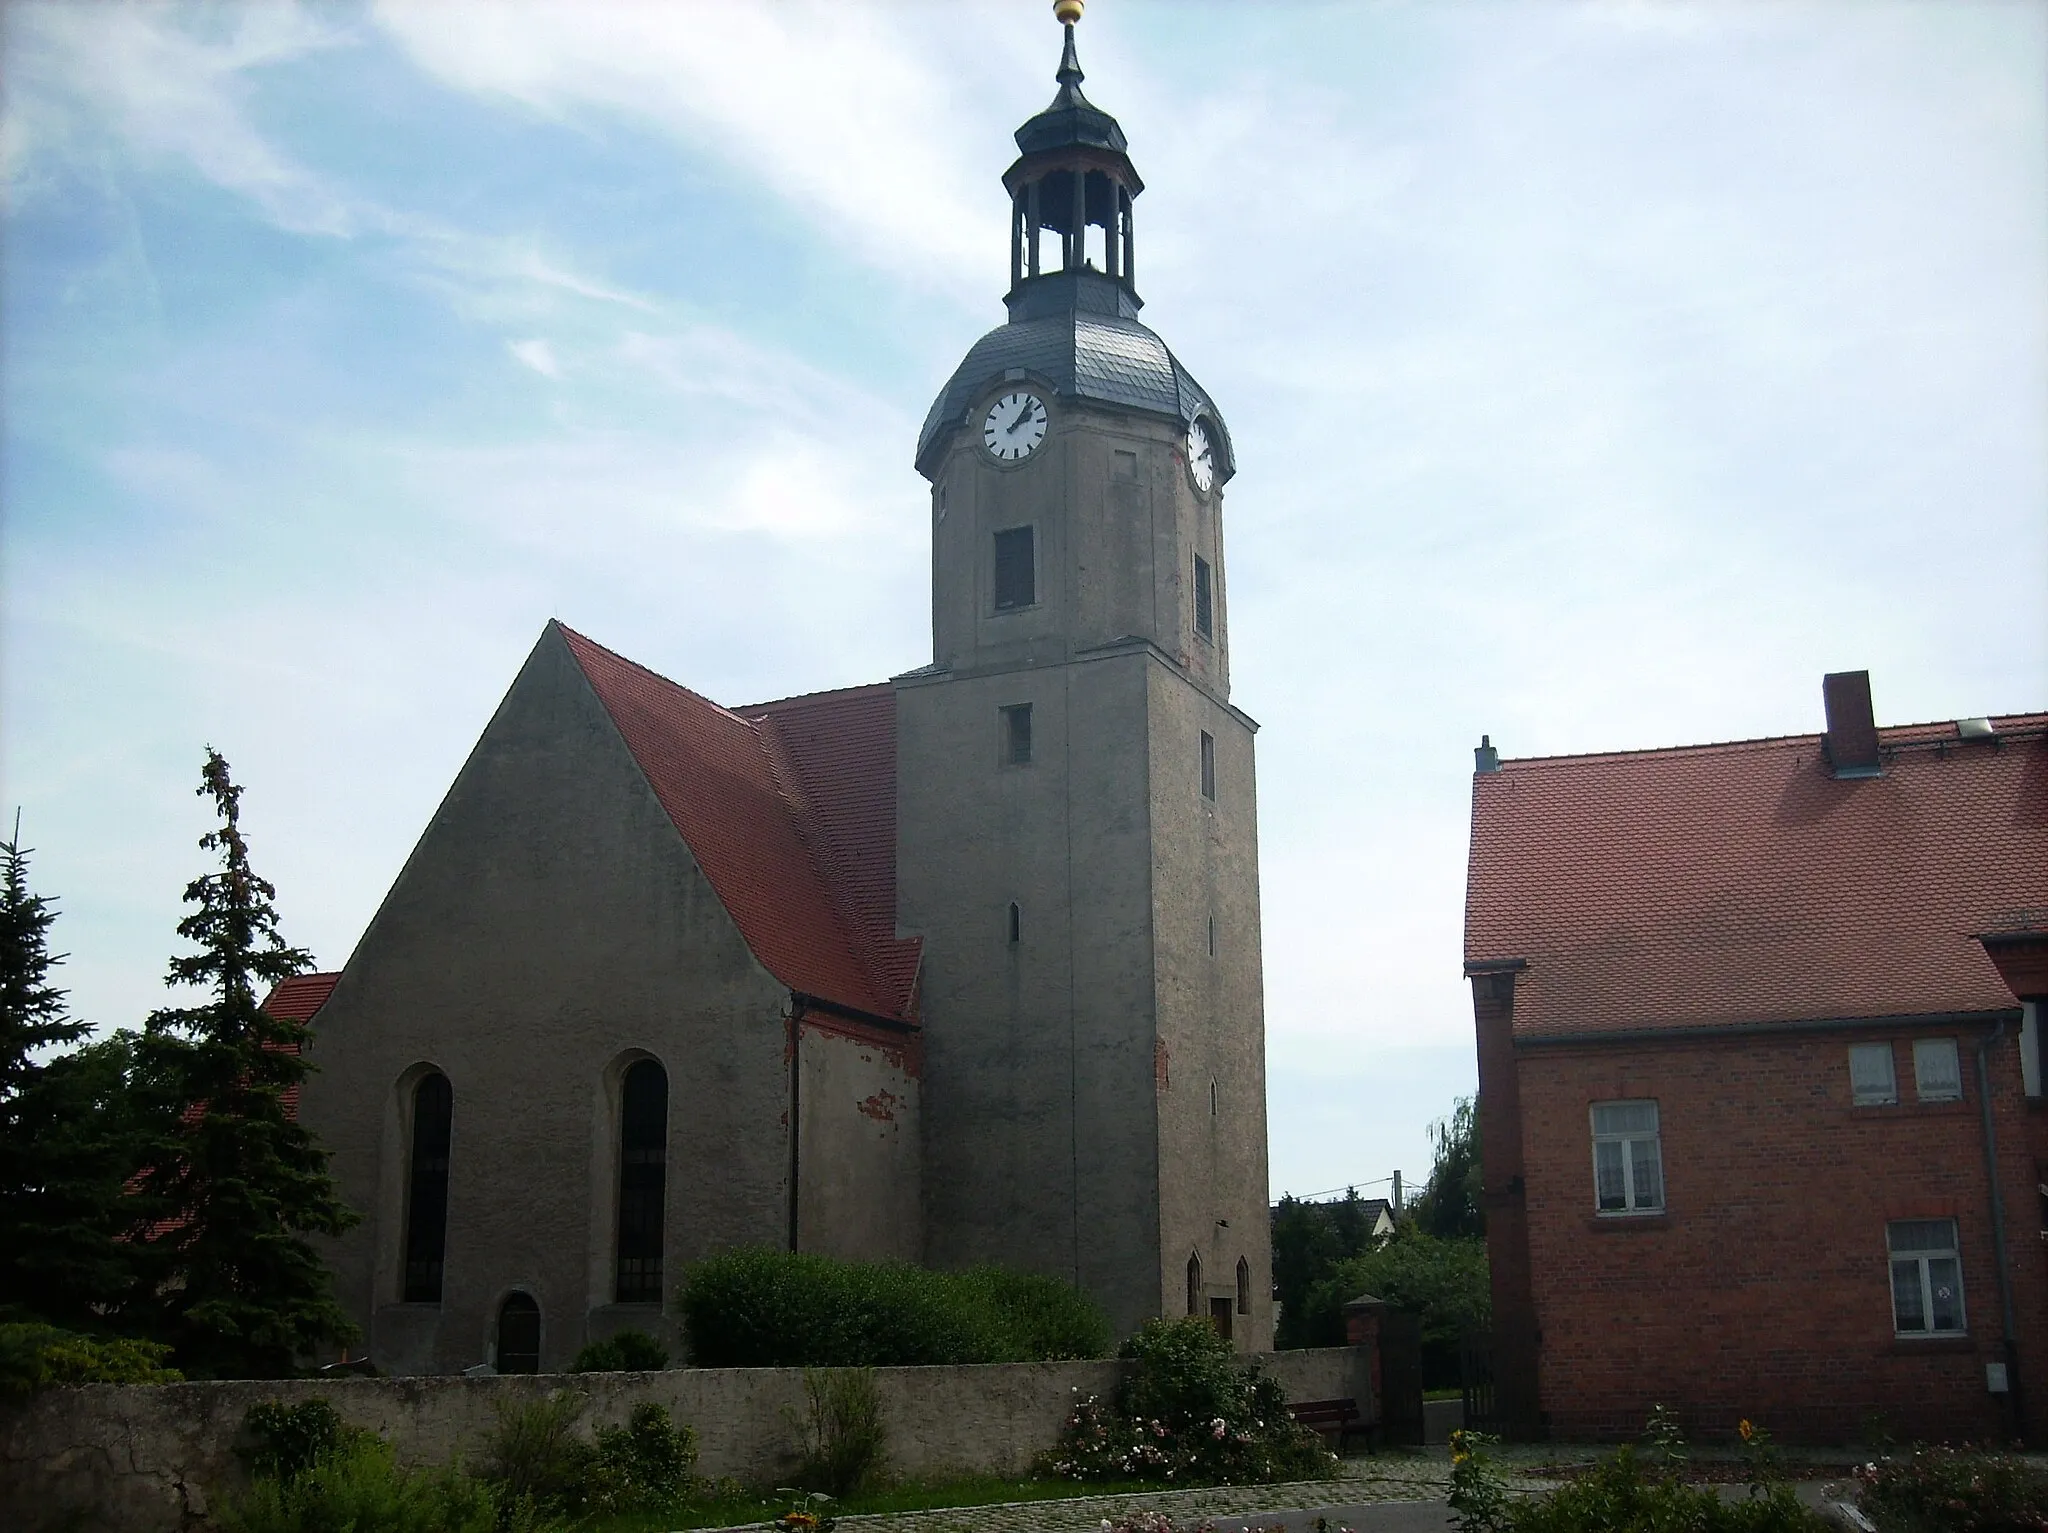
[1195, 1283]
[643, 1182]
[518, 1334]
[426, 1215]
[1244, 1286]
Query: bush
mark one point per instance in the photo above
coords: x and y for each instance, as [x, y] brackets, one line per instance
[284, 1441]
[1947, 1490]
[843, 1440]
[535, 1461]
[627, 1352]
[357, 1488]
[34, 1356]
[1443, 1282]
[761, 1309]
[1190, 1411]
[644, 1465]
[1620, 1496]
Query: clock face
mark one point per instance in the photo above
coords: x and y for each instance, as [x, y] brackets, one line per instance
[1014, 426]
[1201, 457]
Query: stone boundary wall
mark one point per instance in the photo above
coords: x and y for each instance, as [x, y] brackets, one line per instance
[152, 1458]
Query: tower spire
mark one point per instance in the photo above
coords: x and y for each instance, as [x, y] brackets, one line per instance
[1068, 12]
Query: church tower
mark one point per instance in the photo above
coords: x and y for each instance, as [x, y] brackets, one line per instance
[1077, 819]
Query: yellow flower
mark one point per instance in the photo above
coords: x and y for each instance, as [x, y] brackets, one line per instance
[1748, 1429]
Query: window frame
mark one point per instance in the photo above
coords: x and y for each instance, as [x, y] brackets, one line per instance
[1208, 749]
[1205, 599]
[1955, 1058]
[1922, 1258]
[1869, 1050]
[1631, 1207]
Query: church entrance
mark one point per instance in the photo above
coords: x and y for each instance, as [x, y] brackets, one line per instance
[1219, 1316]
[518, 1334]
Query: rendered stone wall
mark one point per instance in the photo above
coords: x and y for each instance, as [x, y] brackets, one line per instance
[156, 1459]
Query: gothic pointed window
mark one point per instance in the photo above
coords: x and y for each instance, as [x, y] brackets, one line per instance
[643, 1182]
[1244, 1286]
[1195, 1283]
[426, 1213]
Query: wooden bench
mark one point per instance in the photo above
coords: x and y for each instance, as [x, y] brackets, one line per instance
[1337, 1417]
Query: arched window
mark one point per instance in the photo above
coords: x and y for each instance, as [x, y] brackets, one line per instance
[643, 1182]
[1195, 1284]
[1244, 1286]
[426, 1214]
[518, 1334]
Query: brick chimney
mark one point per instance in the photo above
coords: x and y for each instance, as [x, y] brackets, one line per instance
[1851, 740]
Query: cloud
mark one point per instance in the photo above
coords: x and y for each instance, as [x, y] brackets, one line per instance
[538, 355]
[862, 119]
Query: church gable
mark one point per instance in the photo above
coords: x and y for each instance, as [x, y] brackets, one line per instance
[794, 855]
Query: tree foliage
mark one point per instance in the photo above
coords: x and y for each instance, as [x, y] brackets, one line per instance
[1309, 1239]
[1442, 1282]
[70, 1132]
[1449, 1205]
[234, 1182]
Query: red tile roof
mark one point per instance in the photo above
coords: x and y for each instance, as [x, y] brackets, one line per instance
[297, 998]
[790, 810]
[1742, 883]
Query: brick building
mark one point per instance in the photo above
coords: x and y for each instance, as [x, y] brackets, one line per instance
[1760, 1088]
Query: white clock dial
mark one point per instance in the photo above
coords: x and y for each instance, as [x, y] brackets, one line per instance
[1014, 426]
[1201, 457]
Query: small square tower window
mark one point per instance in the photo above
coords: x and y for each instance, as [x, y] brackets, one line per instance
[1016, 579]
[1205, 609]
[1208, 766]
[1871, 1081]
[1937, 1073]
[1017, 735]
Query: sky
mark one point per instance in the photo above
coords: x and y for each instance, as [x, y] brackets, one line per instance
[1600, 375]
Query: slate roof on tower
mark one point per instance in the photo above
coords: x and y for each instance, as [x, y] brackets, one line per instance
[790, 810]
[1743, 883]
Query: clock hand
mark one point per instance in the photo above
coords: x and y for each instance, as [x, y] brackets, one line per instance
[1022, 417]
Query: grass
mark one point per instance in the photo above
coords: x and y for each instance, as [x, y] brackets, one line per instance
[909, 1496]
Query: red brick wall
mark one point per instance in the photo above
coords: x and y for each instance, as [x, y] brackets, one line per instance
[1763, 1291]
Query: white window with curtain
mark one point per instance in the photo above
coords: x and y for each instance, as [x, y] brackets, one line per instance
[1628, 1161]
[1872, 1082]
[1927, 1277]
[1937, 1072]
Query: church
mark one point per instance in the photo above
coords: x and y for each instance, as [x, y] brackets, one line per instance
[959, 967]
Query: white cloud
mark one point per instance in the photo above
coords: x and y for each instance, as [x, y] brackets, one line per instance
[536, 354]
[863, 119]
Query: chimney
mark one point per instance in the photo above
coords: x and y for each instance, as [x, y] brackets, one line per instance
[1484, 757]
[1851, 740]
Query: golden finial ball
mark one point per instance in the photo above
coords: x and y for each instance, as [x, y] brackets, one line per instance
[1067, 12]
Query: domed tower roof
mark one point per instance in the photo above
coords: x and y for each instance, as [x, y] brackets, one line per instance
[1073, 328]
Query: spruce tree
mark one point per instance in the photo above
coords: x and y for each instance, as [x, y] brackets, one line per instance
[60, 1178]
[235, 1182]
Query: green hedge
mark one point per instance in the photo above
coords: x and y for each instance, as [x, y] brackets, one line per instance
[35, 1356]
[761, 1309]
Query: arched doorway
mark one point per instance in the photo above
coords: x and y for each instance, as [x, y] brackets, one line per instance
[518, 1334]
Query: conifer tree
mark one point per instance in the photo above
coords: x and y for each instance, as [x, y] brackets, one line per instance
[61, 1169]
[235, 1182]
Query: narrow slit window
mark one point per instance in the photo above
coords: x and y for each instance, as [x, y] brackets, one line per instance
[1016, 923]
[1212, 936]
[1212, 1099]
[426, 1215]
[1016, 578]
[1208, 766]
[1195, 1283]
[1205, 610]
[1244, 1286]
[1017, 735]
[643, 1182]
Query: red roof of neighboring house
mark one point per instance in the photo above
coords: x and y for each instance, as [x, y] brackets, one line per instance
[297, 998]
[1743, 883]
[790, 810]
